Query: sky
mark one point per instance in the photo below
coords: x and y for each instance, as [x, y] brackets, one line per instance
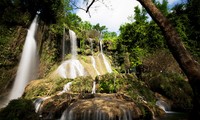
[113, 13]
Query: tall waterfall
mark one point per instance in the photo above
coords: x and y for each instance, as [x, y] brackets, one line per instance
[108, 67]
[28, 63]
[91, 45]
[71, 68]
[63, 45]
[73, 41]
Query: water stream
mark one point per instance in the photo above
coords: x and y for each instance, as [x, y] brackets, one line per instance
[106, 63]
[71, 68]
[28, 63]
[73, 40]
[66, 88]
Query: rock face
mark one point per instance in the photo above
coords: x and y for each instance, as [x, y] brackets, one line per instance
[91, 107]
[102, 106]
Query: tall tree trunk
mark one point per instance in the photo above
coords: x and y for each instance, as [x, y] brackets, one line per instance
[190, 67]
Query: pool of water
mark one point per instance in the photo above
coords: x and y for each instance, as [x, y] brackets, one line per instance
[174, 116]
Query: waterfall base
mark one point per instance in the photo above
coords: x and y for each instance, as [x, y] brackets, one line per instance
[102, 107]
[91, 107]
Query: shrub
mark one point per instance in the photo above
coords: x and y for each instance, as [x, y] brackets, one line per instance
[20, 109]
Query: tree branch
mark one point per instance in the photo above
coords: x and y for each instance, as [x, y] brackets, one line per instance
[90, 5]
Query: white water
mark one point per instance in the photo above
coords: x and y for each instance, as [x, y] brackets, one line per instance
[74, 70]
[38, 103]
[94, 87]
[108, 67]
[71, 68]
[73, 41]
[91, 45]
[94, 64]
[63, 45]
[28, 63]
[101, 46]
[164, 106]
[66, 88]
[97, 114]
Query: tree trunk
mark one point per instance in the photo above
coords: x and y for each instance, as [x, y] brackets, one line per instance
[190, 67]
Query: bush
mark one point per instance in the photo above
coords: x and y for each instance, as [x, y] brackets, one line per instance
[173, 86]
[20, 109]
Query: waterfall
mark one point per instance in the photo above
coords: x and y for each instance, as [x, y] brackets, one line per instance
[38, 102]
[63, 45]
[71, 68]
[101, 108]
[91, 45]
[94, 87]
[73, 41]
[28, 63]
[101, 46]
[94, 64]
[66, 88]
[164, 106]
[108, 67]
[106, 63]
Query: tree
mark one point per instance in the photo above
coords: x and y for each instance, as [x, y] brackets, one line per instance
[127, 63]
[99, 28]
[190, 67]
[194, 21]
[140, 15]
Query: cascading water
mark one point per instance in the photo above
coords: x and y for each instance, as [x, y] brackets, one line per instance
[94, 64]
[38, 103]
[91, 45]
[66, 88]
[71, 68]
[94, 87]
[28, 63]
[73, 41]
[107, 65]
[101, 107]
[63, 45]
[164, 106]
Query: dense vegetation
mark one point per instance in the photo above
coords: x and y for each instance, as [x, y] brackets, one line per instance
[139, 44]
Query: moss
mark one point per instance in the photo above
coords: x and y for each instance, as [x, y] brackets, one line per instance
[44, 87]
[125, 83]
[20, 109]
[82, 84]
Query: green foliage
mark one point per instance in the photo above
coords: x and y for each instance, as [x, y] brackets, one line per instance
[107, 84]
[6, 55]
[99, 28]
[45, 87]
[72, 21]
[127, 61]
[136, 56]
[20, 109]
[163, 7]
[124, 83]
[16, 12]
[140, 15]
[173, 86]
[82, 85]
[140, 37]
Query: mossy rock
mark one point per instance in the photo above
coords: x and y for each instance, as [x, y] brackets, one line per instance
[20, 109]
